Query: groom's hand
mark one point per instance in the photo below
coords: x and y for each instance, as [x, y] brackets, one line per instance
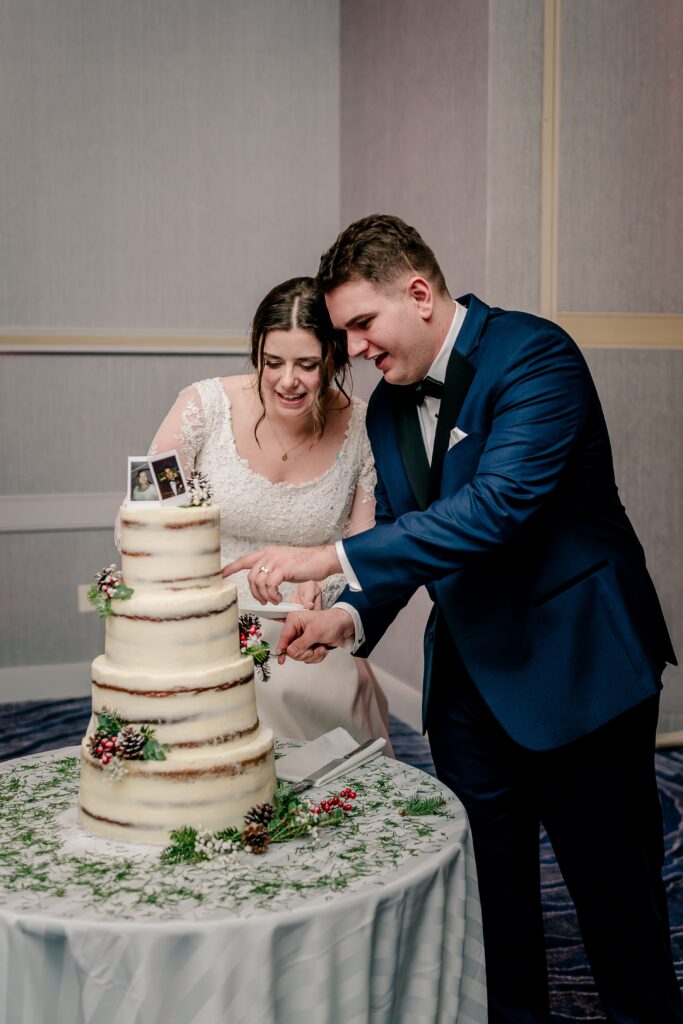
[270, 567]
[307, 636]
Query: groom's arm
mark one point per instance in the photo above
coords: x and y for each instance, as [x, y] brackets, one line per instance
[371, 621]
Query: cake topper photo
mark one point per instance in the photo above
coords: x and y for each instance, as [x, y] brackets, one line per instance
[141, 483]
[169, 478]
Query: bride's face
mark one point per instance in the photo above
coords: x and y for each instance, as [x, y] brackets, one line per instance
[291, 370]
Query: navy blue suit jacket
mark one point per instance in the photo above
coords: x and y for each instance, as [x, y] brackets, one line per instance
[527, 553]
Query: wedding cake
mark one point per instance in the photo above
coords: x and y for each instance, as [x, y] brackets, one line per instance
[175, 738]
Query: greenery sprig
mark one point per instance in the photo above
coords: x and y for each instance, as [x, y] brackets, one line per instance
[416, 806]
[124, 740]
[289, 817]
[252, 642]
[108, 587]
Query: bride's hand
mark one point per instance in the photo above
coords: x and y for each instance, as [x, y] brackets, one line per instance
[270, 567]
[309, 594]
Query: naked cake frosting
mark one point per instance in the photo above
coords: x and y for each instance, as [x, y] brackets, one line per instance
[172, 670]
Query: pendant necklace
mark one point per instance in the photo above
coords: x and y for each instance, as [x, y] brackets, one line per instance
[286, 451]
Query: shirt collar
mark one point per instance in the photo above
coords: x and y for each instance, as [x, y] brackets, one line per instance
[437, 371]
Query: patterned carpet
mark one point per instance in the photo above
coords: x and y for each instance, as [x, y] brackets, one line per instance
[26, 728]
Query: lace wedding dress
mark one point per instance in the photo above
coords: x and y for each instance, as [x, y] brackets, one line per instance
[299, 701]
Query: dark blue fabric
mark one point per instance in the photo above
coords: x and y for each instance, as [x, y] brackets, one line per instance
[528, 551]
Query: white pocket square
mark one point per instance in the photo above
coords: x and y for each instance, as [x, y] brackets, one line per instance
[456, 435]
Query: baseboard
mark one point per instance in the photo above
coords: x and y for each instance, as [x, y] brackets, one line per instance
[404, 701]
[59, 682]
[44, 682]
[669, 739]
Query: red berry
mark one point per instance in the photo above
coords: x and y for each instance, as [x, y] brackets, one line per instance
[316, 810]
[100, 749]
[347, 807]
[352, 794]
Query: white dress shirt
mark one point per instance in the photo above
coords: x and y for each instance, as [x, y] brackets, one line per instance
[428, 416]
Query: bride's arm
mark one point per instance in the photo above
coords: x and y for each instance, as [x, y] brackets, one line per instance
[361, 517]
[184, 429]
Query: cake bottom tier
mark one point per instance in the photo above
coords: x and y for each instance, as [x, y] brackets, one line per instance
[211, 789]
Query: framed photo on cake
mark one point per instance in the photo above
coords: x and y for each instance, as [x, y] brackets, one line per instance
[169, 478]
[142, 485]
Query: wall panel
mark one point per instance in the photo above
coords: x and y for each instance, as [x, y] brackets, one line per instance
[163, 162]
[413, 124]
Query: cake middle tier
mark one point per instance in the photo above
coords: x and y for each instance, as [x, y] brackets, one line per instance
[192, 709]
[169, 631]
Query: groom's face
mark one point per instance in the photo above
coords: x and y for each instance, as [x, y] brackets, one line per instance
[387, 324]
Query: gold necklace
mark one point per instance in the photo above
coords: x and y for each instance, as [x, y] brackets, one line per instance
[286, 451]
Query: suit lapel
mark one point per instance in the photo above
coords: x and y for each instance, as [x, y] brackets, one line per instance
[424, 480]
[459, 376]
[411, 445]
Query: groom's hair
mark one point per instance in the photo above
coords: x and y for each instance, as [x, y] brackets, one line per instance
[378, 248]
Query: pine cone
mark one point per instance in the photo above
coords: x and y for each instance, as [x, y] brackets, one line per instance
[129, 743]
[94, 741]
[256, 839]
[259, 815]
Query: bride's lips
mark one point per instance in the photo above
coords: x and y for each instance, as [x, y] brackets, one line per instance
[379, 360]
[293, 399]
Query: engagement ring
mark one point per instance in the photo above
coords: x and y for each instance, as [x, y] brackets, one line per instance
[263, 568]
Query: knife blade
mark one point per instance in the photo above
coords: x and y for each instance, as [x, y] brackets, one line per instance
[310, 780]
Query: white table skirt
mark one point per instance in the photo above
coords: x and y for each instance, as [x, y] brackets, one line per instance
[378, 921]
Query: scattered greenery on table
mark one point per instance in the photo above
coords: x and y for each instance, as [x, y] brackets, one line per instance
[48, 863]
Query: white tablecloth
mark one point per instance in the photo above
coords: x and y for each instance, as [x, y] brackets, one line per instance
[377, 921]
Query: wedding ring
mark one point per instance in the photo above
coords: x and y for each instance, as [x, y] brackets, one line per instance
[263, 568]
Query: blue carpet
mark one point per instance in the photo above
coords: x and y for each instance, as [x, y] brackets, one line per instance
[28, 727]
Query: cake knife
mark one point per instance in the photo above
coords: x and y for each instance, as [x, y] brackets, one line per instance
[320, 773]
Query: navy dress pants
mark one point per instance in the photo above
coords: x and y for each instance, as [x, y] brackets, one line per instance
[597, 799]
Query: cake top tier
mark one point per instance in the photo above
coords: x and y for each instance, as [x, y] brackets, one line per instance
[170, 548]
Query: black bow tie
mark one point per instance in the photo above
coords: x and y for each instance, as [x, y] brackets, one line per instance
[418, 392]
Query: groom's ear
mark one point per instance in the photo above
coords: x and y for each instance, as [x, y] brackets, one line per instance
[420, 292]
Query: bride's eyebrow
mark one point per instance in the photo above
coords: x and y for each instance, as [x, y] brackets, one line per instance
[297, 359]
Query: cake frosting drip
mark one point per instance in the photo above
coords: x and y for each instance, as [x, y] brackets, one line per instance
[172, 661]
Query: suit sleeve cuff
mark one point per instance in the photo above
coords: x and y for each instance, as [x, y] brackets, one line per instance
[347, 569]
[359, 639]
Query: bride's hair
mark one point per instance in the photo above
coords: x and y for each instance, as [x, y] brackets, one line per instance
[299, 303]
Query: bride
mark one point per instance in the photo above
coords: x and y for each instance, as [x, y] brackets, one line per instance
[289, 463]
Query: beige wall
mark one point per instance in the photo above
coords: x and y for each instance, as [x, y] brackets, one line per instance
[163, 163]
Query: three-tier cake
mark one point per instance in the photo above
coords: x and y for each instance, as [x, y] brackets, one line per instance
[172, 667]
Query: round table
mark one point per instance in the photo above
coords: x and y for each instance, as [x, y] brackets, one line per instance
[375, 920]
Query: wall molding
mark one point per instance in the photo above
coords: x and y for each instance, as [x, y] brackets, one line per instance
[31, 513]
[96, 341]
[600, 329]
[623, 330]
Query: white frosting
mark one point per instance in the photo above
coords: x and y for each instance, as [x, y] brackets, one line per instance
[170, 548]
[172, 661]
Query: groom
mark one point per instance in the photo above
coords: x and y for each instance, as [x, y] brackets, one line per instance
[546, 643]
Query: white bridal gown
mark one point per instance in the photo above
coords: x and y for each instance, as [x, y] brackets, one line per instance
[299, 701]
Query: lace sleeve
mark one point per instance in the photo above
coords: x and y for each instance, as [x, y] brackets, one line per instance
[362, 513]
[183, 429]
[367, 478]
[332, 588]
[361, 516]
